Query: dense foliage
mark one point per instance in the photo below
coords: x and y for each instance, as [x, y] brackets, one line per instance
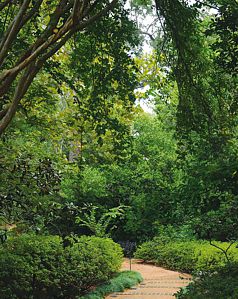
[79, 141]
[41, 267]
[78, 155]
[188, 256]
[222, 284]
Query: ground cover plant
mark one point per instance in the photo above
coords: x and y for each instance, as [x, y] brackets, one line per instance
[123, 280]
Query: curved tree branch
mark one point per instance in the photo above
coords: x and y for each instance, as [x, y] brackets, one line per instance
[12, 31]
[45, 47]
[20, 91]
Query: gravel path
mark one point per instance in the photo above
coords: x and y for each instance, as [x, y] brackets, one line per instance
[158, 283]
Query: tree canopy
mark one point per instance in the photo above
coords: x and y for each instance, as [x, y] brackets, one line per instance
[73, 134]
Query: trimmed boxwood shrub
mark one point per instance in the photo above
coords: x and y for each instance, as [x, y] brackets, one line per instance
[190, 256]
[40, 267]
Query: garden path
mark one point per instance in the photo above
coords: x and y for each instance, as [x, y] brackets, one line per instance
[158, 283]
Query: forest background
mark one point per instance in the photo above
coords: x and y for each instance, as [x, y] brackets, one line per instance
[78, 154]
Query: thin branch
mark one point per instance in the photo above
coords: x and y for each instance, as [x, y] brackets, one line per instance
[54, 38]
[149, 34]
[79, 27]
[225, 251]
[55, 48]
[12, 32]
[32, 66]
[40, 45]
[206, 4]
[32, 12]
[20, 91]
[97, 16]
[18, 68]
[61, 8]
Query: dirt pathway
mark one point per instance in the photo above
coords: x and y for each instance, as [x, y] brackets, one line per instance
[158, 283]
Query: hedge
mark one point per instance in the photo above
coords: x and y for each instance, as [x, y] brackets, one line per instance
[34, 266]
[188, 256]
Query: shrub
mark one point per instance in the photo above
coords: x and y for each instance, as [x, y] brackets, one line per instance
[40, 267]
[99, 259]
[222, 284]
[189, 256]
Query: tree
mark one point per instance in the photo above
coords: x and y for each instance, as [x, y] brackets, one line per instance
[32, 32]
[199, 44]
[225, 26]
[67, 120]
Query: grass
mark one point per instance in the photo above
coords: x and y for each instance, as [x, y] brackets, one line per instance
[124, 280]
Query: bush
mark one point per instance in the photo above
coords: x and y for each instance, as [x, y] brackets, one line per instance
[40, 267]
[189, 256]
[222, 284]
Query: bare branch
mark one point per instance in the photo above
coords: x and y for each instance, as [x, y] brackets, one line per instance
[61, 8]
[21, 89]
[54, 38]
[149, 34]
[12, 32]
[225, 251]
[80, 26]
[18, 68]
[55, 48]
[97, 16]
